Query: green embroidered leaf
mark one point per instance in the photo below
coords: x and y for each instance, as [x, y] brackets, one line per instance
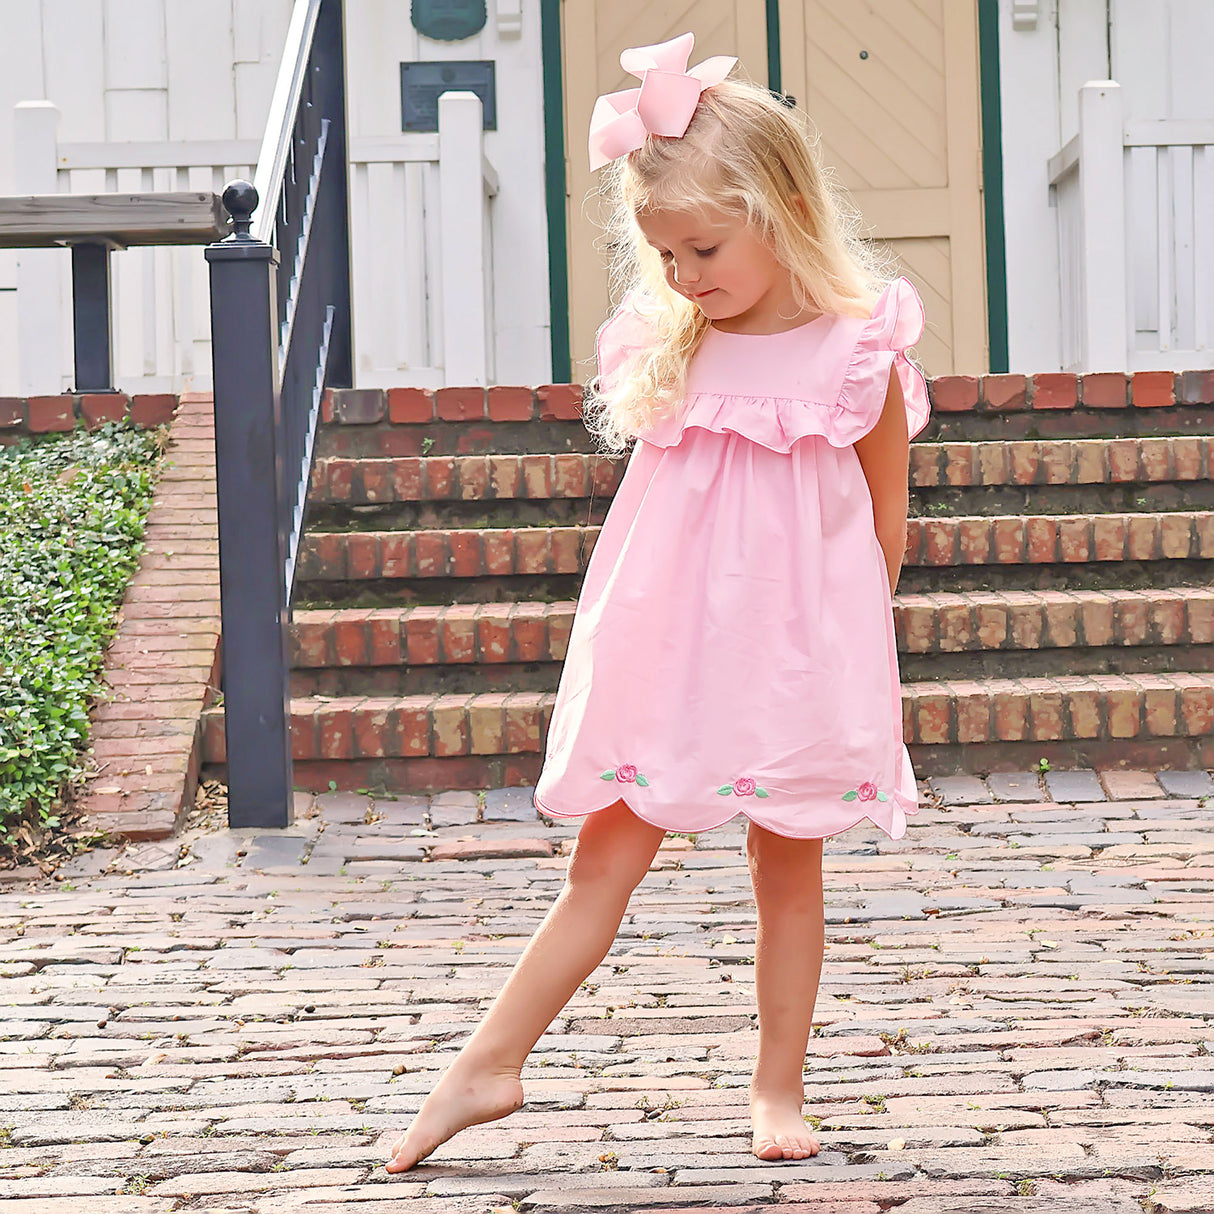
[762, 792]
[850, 796]
[642, 781]
[883, 796]
[607, 775]
[725, 790]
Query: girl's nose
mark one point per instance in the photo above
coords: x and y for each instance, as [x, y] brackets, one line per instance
[684, 274]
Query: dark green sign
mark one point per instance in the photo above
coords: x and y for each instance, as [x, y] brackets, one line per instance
[449, 20]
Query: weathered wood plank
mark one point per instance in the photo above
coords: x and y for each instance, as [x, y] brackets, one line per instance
[178, 217]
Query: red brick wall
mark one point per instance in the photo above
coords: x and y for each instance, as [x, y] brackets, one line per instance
[21, 416]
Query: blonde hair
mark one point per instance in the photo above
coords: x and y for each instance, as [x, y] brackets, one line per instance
[748, 154]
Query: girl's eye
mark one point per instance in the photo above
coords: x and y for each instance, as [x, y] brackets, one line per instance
[707, 252]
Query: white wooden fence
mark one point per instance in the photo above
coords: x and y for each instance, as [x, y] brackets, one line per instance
[1135, 208]
[421, 256]
[161, 330]
[421, 252]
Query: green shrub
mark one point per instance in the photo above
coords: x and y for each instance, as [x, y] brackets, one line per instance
[72, 511]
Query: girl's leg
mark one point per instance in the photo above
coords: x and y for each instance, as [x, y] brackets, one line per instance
[787, 879]
[613, 852]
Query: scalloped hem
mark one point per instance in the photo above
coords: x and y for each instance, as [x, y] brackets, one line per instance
[684, 829]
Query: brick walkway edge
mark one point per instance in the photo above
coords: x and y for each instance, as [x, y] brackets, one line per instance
[163, 660]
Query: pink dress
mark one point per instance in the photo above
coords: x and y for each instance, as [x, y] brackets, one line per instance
[733, 649]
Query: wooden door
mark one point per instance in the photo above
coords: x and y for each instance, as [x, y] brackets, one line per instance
[592, 36]
[893, 87]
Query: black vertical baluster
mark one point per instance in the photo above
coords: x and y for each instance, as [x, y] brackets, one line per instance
[92, 316]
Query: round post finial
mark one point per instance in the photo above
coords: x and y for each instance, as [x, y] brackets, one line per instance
[240, 200]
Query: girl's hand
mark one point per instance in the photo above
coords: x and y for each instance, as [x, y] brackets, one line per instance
[885, 457]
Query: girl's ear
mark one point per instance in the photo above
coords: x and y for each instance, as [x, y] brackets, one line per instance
[799, 206]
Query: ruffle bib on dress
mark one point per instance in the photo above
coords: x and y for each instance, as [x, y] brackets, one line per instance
[733, 648]
[838, 396]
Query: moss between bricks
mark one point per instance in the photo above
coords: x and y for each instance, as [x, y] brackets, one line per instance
[72, 514]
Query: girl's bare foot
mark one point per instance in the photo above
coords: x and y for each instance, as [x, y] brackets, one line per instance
[464, 1096]
[779, 1129]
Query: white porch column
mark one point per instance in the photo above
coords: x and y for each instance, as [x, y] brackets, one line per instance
[1105, 332]
[462, 235]
[39, 271]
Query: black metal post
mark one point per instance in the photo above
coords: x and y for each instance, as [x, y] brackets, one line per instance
[92, 317]
[252, 556]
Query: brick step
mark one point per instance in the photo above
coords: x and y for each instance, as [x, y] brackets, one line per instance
[1028, 462]
[430, 650]
[468, 678]
[520, 646]
[925, 623]
[375, 481]
[1182, 535]
[399, 421]
[366, 481]
[1063, 404]
[1092, 720]
[338, 556]
[939, 502]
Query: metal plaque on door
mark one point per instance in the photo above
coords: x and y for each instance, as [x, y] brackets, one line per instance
[422, 84]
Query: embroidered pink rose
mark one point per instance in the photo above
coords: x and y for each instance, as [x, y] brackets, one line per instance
[867, 791]
[743, 786]
[626, 773]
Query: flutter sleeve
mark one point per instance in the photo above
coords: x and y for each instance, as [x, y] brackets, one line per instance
[895, 325]
[624, 335]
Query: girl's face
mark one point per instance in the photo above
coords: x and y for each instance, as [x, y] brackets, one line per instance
[715, 260]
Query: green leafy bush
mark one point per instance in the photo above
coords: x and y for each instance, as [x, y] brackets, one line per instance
[72, 512]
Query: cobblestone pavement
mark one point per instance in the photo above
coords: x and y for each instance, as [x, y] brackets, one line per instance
[1017, 1014]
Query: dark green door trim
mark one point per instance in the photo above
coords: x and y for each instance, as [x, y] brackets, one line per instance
[554, 190]
[773, 46]
[992, 183]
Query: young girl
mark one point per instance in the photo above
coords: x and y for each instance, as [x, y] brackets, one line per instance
[733, 648]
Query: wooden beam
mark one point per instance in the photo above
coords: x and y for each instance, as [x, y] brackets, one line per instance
[45, 220]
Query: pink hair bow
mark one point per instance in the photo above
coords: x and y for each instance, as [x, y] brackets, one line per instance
[663, 105]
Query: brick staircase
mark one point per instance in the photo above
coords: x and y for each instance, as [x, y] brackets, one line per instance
[1055, 602]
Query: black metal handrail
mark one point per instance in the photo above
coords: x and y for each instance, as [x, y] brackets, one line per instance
[280, 331]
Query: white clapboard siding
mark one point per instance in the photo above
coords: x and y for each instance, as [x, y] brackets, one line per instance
[148, 92]
[177, 92]
[396, 256]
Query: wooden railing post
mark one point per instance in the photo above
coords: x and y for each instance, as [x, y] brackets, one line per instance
[252, 547]
[1105, 325]
[39, 283]
[461, 186]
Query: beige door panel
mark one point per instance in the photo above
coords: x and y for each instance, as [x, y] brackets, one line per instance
[593, 35]
[901, 127]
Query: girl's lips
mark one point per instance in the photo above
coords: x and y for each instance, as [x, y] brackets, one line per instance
[702, 294]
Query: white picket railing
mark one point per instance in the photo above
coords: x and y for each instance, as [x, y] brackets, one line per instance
[1135, 204]
[421, 256]
[422, 253]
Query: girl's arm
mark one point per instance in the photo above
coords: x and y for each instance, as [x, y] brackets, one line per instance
[885, 457]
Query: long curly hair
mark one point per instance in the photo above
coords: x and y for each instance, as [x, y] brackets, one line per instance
[747, 154]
